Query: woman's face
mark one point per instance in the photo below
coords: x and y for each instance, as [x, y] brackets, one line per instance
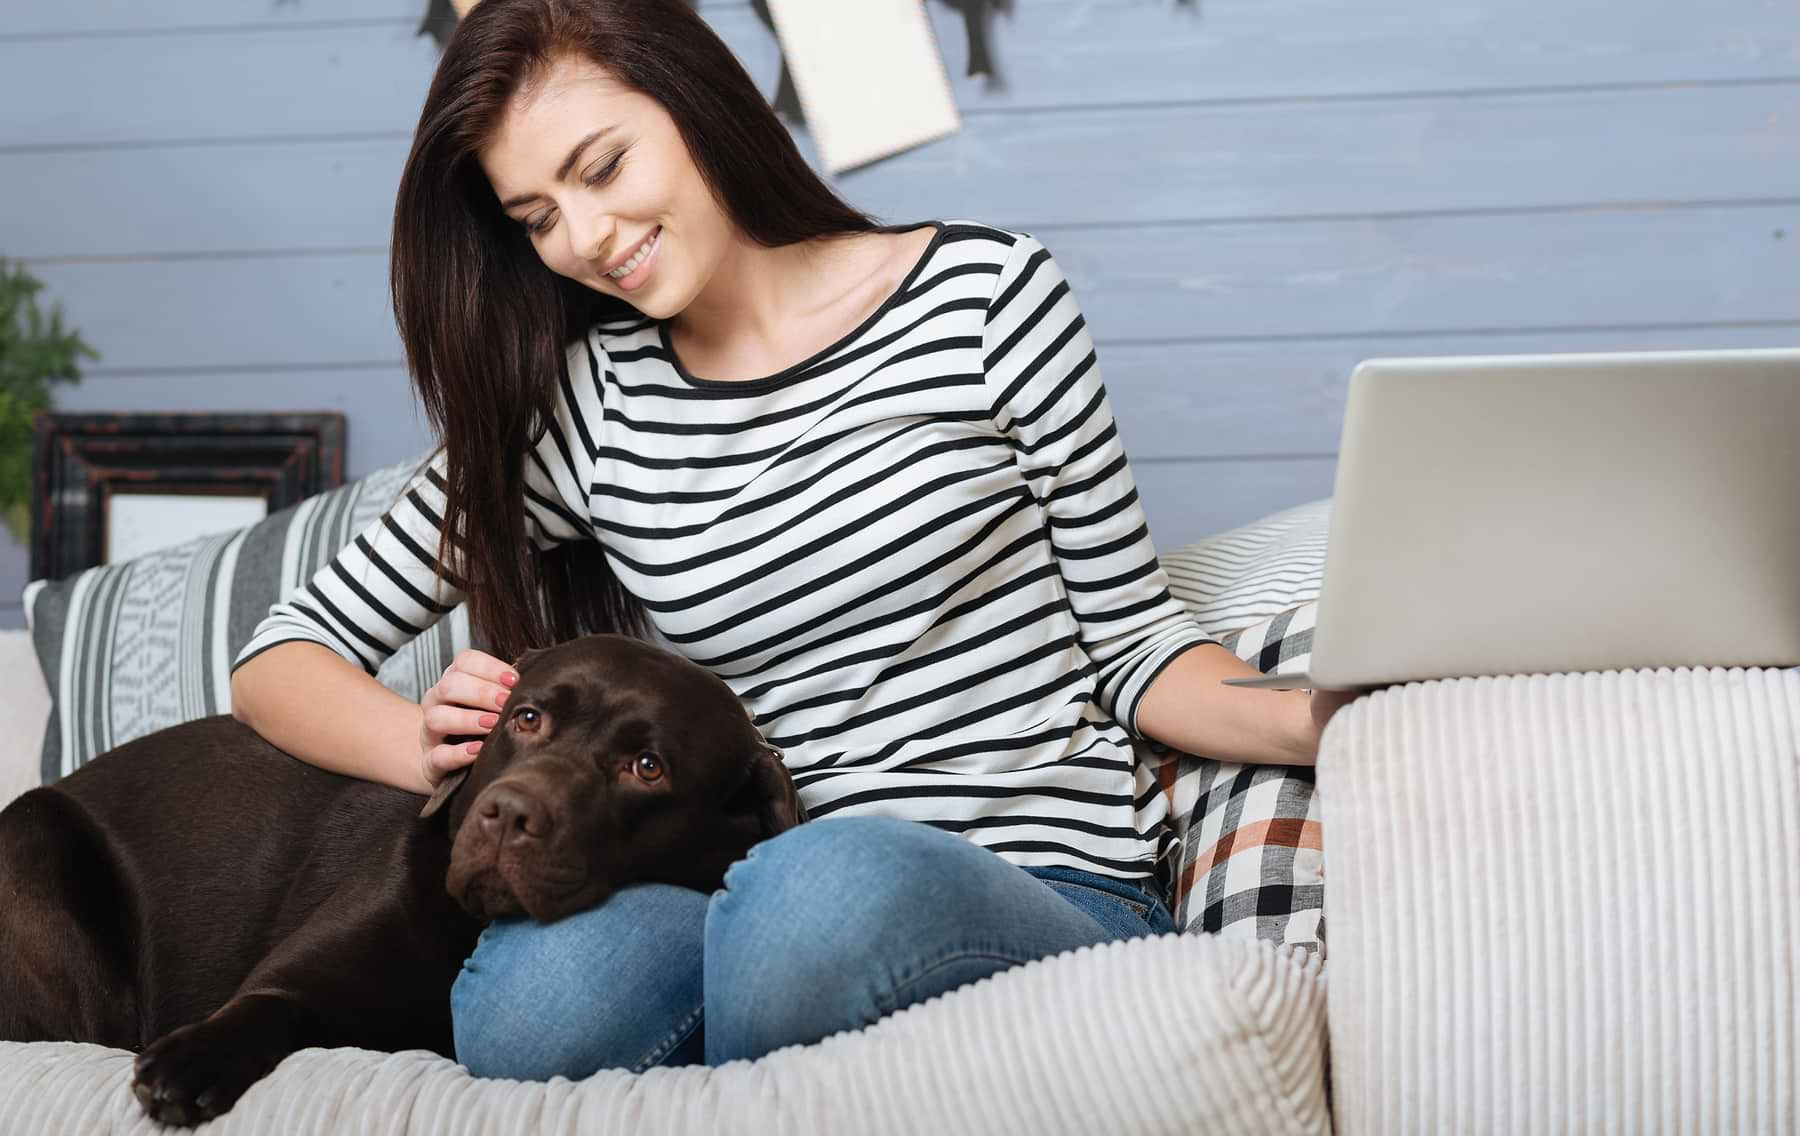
[596, 172]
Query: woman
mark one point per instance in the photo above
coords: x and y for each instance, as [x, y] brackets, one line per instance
[866, 474]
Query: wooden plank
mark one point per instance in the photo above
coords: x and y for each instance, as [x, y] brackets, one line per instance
[358, 80]
[1128, 51]
[1284, 398]
[1186, 500]
[1435, 273]
[221, 315]
[1341, 158]
[1171, 283]
[283, 83]
[1024, 170]
[361, 75]
[89, 19]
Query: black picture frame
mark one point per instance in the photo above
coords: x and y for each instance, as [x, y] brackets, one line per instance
[80, 461]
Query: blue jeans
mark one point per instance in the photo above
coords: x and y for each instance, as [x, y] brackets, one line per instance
[827, 927]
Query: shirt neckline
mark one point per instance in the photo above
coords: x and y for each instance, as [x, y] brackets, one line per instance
[788, 374]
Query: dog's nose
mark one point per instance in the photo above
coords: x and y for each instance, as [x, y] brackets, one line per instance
[508, 815]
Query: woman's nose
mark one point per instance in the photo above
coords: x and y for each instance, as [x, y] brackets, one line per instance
[589, 234]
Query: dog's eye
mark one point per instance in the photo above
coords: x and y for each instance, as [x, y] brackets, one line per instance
[527, 720]
[649, 766]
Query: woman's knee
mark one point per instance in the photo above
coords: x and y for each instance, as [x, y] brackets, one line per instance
[616, 986]
[842, 875]
[818, 929]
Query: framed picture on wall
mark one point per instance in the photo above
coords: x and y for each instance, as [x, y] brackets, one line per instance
[110, 487]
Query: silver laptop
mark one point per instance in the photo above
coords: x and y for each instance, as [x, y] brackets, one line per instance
[1500, 515]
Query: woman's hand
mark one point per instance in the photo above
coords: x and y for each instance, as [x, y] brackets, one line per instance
[466, 700]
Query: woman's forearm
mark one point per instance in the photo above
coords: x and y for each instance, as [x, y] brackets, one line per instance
[1189, 707]
[308, 700]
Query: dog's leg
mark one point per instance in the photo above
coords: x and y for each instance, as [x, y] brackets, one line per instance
[66, 970]
[368, 968]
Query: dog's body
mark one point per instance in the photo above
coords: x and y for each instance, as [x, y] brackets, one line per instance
[202, 896]
[157, 880]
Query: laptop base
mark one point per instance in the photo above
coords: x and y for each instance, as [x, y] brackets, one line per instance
[1300, 681]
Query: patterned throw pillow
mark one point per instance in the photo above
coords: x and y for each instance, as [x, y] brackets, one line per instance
[130, 648]
[1249, 574]
[1249, 862]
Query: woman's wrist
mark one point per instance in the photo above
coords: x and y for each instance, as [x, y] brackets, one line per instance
[1301, 737]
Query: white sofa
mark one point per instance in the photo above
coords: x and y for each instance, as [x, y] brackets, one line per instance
[1556, 903]
[24, 709]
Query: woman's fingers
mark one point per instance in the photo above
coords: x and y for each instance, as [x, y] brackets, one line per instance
[487, 668]
[462, 688]
[465, 700]
[443, 720]
[447, 759]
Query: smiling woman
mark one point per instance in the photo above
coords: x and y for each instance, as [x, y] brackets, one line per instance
[865, 475]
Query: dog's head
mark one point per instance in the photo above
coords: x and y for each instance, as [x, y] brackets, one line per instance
[613, 762]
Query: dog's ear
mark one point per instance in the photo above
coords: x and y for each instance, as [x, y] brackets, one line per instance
[445, 790]
[526, 656]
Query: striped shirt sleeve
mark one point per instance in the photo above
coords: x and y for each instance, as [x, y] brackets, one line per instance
[1051, 405]
[383, 588]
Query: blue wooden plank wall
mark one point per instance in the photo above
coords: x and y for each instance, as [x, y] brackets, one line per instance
[1248, 195]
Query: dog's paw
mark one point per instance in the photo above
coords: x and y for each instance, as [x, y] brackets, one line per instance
[198, 1072]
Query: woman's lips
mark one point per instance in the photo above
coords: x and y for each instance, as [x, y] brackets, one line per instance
[635, 279]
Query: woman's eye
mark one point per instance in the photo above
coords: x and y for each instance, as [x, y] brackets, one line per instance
[606, 172]
[527, 720]
[649, 766]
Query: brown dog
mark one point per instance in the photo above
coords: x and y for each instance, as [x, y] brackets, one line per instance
[203, 896]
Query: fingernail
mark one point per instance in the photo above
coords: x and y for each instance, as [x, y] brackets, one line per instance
[488, 719]
[510, 679]
[500, 700]
[472, 747]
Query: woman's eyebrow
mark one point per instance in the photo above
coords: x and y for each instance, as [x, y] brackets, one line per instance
[562, 171]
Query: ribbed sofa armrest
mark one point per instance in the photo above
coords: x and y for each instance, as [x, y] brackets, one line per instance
[1566, 903]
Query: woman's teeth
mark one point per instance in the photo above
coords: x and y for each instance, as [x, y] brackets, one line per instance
[637, 257]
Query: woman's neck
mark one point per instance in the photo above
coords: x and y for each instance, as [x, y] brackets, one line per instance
[765, 309]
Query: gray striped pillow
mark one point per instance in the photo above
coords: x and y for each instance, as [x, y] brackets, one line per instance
[1241, 577]
[131, 648]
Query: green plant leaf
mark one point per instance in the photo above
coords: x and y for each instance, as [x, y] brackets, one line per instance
[35, 351]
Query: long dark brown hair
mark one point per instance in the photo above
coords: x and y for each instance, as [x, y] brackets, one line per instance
[485, 323]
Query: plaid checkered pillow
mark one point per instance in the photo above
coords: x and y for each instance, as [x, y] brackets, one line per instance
[1247, 857]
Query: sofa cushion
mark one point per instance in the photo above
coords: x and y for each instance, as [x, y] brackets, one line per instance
[1567, 903]
[127, 649]
[1159, 1034]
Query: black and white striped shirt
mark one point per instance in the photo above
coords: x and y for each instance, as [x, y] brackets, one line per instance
[918, 557]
